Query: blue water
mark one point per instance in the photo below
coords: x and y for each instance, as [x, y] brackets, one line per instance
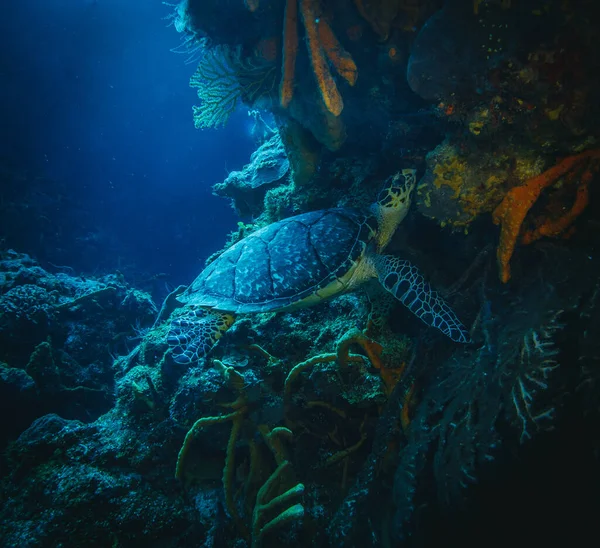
[95, 106]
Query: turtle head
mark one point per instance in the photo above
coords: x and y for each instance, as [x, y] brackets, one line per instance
[393, 203]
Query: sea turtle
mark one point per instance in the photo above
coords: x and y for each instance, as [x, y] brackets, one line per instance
[303, 260]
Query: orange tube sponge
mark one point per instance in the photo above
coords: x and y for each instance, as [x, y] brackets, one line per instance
[290, 51]
[511, 212]
[555, 227]
[339, 57]
[406, 405]
[327, 86]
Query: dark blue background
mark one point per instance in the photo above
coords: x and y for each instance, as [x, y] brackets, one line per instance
[96, 117]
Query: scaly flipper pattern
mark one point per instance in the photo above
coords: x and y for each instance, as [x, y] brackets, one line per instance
[194, 334]
[404, 281]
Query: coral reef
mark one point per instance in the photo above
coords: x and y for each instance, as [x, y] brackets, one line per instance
[516, 96]
[345, 424]
[267, 169]
[300, 424]
[505, 392]
[474, 407]
[312, 80]
[57, 335]
[69, 480]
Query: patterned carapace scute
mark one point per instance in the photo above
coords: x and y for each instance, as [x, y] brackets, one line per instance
[284, 262]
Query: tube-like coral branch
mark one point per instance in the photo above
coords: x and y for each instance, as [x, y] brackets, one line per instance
[339, 57]
[327, 86]
[513, 209]
[290, 51]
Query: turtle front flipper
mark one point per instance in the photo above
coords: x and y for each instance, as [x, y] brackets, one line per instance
[404, 281]
[193, 334]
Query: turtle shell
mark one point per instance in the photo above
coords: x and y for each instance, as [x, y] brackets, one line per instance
[286, 263]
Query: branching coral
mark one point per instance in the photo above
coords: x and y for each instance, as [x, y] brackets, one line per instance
[223, 78]
[367, 496]
[381, 356]
[511, 213]
[536, 348]
[343, 357]
[281, 506]
[217, 87]
[477, 397]
[236, 417]
[276, 501]
[344, 431]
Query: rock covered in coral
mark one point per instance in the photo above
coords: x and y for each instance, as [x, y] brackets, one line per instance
[78, 481]
[462, 182]
[57, 335]
[464, 43]
[268, 167]
[337, 440]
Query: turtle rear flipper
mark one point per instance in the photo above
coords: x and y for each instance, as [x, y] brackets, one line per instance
[193, 334]
[404, 281]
